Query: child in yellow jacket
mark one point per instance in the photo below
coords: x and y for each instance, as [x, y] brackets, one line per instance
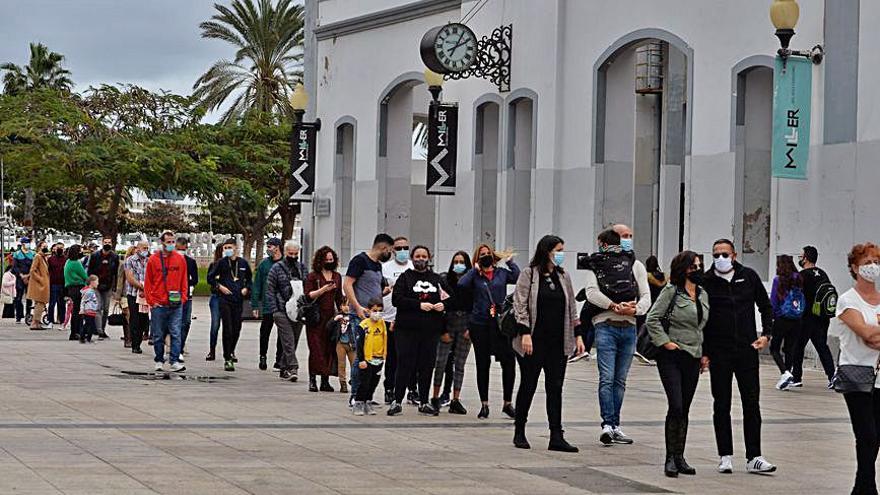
[372, 348]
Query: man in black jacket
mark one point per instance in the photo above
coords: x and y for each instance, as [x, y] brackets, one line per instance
[104, 264]
[231, 277]
[815, 326]
[730, 347]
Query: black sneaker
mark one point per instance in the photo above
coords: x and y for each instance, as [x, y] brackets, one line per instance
[509, 411]
[484, 412]
[136, 350]
[389, 396]
[210, 356]
[394, 409]
[456, 407]
[444, 399]
[286, 374]
[103, 336]
[234, 359]
[263, 365]
[428, 410]
[435, 403]
[412, 398]
[228, 365]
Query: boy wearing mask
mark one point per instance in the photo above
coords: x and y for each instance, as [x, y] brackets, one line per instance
[372, 346]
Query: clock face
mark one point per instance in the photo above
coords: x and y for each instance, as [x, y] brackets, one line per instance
[455, 47]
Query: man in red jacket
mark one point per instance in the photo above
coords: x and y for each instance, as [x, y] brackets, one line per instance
[166, 291]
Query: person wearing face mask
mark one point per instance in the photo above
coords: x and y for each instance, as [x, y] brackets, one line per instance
[487, 282]
[675, 324]
[192, 280]
[260, 304]
[730, 348]
[420, 298]
[135, 267]
[323, 285]
[458, 310]
[21, 268]
[362, 283]
[820, 296]
[74, 280]
[232, 279]
[787, 299]
[546, 317]
[372, 349]
[56, 280]
[104, 263]
[167, 290]
[38, 286]
[391, 271]
[278, 292]
[857, 325]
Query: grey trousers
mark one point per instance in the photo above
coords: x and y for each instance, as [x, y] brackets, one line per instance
[289, 332]
[105, 297]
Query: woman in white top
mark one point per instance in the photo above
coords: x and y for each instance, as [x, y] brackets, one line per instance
[858, 327]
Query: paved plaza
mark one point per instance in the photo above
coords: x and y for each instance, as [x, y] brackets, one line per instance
[92, 419]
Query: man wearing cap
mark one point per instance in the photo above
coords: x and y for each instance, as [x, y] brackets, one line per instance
[260, 304]
[192, 274]
[22, 260]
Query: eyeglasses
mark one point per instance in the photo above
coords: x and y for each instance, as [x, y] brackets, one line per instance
[550, 283]
[720, 255]
[401, 248]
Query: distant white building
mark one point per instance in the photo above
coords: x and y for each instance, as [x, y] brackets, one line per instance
[583, 139]
[140, 200]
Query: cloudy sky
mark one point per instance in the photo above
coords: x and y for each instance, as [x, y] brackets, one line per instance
[152, 43]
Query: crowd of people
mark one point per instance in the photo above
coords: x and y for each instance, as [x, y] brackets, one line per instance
[390, 313]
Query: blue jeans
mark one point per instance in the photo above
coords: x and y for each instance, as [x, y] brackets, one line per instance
[166, 321]
[355, 371]
[56, 304]
[185, 321]
[614, 351]
[214, 305]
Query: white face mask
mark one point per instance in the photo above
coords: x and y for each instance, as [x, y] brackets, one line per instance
[375, 316]
[870, 272]
[723, 265]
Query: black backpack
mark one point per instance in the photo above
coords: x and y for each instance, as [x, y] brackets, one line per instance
[614, 272]
[825, 302]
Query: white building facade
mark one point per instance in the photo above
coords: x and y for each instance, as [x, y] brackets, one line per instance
[582, 140]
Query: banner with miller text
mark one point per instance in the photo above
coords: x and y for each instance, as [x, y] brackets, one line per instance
[302, 163]
[442, 148]
[792, 92]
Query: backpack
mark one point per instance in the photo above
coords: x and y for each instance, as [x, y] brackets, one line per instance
[614, 273]
[825, 301]
[793, 305]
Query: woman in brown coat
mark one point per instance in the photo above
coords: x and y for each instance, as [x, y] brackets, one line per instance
[38, 286]
[324, 285]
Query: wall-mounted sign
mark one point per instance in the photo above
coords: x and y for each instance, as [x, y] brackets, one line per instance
[302, 163]
[322, 207]
[792, 92]
[442, 148]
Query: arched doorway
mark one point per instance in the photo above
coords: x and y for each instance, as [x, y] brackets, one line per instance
[343, 180]
[751, 141]
[519, 170]
[487, 158]
[641, 136]
[401, 167]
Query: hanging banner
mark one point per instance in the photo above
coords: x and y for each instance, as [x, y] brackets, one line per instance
[792, 92]
[302, 163]
[442, 148]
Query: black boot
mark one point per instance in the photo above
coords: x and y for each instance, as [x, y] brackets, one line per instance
[682, 465]
[671, 432]
[263, 365]
[325, 384]
[484, 412]
[313, 386]
[519, 437]
[558, 443]
[680, 462]
[670, 469]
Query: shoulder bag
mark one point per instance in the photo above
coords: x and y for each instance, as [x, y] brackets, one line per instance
[503, 315]
[644, 346]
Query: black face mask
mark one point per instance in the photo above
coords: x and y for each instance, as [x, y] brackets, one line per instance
[696, 277]
[59, 252]
[291, 259]
[420, 265]
[107, 247]
[45, 250]
[801, 262]
[331, 266]
[384, 257]
[487, 260]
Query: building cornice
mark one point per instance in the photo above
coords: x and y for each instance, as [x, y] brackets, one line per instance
[387, 17]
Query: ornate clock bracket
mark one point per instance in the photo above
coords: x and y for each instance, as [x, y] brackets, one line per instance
[493, 59]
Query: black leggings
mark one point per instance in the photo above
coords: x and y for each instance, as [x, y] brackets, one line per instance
[786, 339]
[265, 332]
[553, 362]
[230, 317]
[76, 319]
[864, 413]
[487, 341]
[679, 373]
[416, 353]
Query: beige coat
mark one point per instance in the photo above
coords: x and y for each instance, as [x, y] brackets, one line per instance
[525, 302]
[38, 285]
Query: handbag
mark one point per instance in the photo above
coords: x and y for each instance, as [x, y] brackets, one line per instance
[504, 317]
[644, 346]
[854, 378]
[116, 318]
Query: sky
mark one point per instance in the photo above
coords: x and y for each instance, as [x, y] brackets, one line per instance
[152, 43]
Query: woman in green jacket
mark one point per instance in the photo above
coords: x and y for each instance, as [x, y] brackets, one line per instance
[675, 324]
[74, 280]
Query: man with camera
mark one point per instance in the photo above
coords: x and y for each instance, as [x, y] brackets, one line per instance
[617, 290]
[166, 290]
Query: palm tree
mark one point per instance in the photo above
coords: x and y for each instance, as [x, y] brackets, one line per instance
[268, 38]
[43, 71]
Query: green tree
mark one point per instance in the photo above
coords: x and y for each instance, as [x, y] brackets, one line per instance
[161, 216]
[44, 70]
[268, 39]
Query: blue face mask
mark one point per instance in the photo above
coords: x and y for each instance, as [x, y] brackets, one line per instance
[169, 247]
[558, 258]
[459, 268]
[227, 253]
[626, 244]
[402, 256]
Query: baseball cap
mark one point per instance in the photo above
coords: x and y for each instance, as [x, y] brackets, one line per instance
[274, 241]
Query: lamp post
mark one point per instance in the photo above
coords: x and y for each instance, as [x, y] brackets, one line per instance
[435, 84]
[784, 15]
[299, 101]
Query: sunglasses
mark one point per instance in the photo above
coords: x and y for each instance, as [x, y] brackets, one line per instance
[550, 283]
[401, 248]
[720, 255]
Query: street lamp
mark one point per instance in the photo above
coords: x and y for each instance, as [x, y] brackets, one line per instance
[784, 15]
[299, 100]
[302, 156]
[435, 84]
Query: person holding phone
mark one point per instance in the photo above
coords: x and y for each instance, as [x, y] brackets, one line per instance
[324, 285]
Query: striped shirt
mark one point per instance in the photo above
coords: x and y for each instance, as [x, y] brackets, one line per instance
[138, 267]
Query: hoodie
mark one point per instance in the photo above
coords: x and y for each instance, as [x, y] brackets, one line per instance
[410, 291]
[89, 304]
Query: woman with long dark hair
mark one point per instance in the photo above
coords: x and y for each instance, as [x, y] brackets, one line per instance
[487, 281]
[546, 316]
[455, 334]
[785, 296]
[685, 308]
[323, 285]
[74, 280]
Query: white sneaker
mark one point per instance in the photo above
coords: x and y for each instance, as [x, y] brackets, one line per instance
[359, 408]
[607, 435]
[178, 367]
[784, 380]
[759, 465]
[726, 464]
[160, 367]
[180, 359]
[368, 408]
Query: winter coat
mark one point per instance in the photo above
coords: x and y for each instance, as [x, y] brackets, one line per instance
[38, 286]
[89, 304]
